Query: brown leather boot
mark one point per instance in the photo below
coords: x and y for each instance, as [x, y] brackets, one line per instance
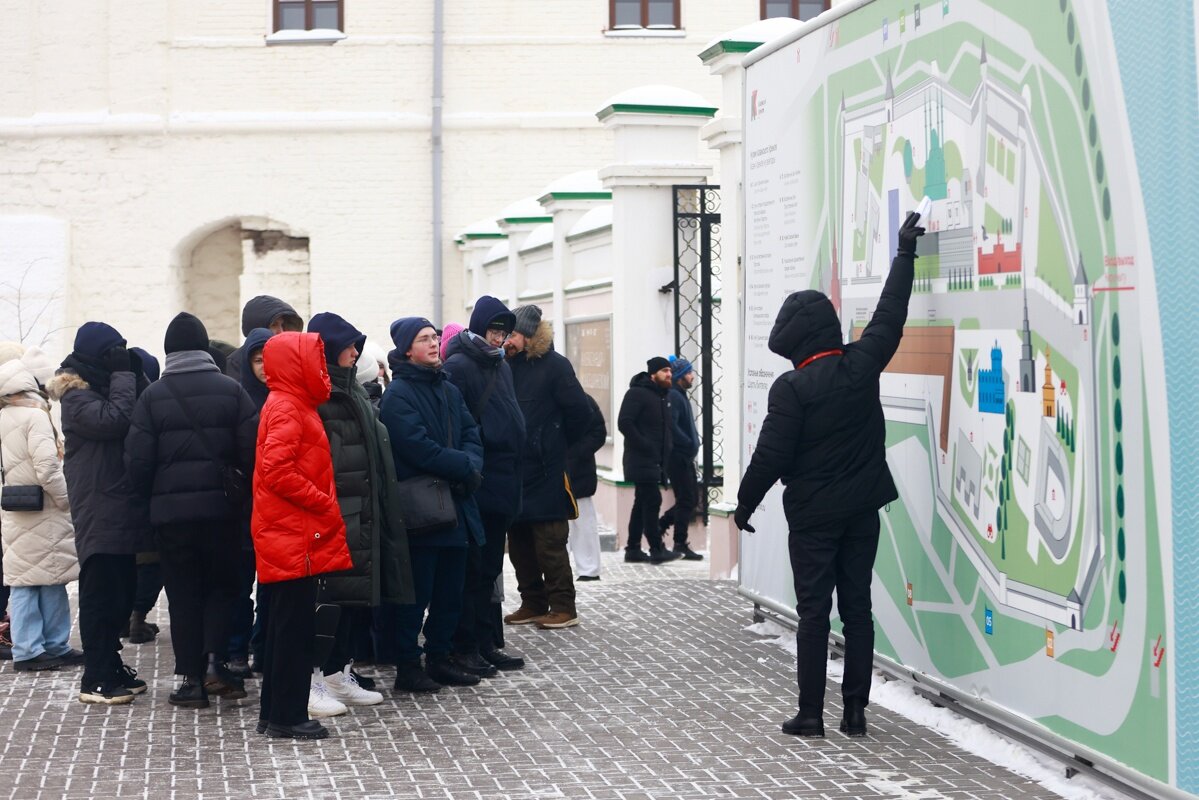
[523, 616]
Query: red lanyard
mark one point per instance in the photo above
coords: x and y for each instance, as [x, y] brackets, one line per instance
[818, 356]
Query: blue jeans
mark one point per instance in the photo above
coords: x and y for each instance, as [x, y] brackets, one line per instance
[438, 576]
[41, 621]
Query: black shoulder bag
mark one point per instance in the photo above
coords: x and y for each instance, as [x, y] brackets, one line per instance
[234, 481]
[19, 498]
[426, 500]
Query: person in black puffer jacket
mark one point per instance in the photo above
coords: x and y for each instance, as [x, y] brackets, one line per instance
[98, 386]
[584, 542]
[824, 436]
[680, 468]
[646, 422]
[267, 312]
[556, 414]
[197, 526]
[475, 364]
[364, 470]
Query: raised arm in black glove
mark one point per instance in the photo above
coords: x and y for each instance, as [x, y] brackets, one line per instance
[117, 360]
[741, 519]
[909, 232]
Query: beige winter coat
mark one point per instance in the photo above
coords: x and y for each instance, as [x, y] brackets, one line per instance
[39, 546]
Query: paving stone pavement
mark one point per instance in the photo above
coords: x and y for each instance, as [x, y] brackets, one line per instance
[660, 693]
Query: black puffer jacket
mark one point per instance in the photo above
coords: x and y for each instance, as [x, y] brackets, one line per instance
[556, 414]
[471, 364]
[824, 435]
[375, 534]
[581, 458]
[110, 518]
[646, 422]
[260, 312]
[169, 462]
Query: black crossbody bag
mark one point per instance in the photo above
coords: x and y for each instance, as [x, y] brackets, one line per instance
[19, 498]
[427, 500]
[237, 486]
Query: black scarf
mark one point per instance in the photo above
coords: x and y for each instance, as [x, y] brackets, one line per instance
[90, 369]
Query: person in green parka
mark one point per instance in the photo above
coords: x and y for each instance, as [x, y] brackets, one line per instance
[364, 470]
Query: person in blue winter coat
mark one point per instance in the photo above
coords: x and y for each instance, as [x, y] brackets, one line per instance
[475, 363]
[680, 466]
[432, 433]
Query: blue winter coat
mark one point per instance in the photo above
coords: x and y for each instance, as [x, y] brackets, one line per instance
[471, 363]
[416, 408]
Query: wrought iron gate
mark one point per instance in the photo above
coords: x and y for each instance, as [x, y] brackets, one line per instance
[696, 289]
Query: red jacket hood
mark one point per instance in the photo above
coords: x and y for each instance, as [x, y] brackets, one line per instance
[295, 364]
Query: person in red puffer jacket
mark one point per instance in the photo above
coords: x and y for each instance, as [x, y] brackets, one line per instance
[297, 527]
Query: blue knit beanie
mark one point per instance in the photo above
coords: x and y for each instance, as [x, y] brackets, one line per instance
[679, 367]
[404, 330]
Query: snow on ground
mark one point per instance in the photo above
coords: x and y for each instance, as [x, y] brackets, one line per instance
[973, 737]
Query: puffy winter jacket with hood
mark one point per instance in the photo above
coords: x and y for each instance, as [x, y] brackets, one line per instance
[255, 389]
[824, 435]
[364, 472]
[260, 312]
[39, 546]
[97, 408]
[556, 415]
[297, 525]
[472, 365]
[581, 458]
[646, 422]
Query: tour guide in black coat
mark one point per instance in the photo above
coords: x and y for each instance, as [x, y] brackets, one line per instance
[97, 388]
[824, 437]
[198, 528]
[475, 363]
[646, 422]
[556, 414]
[364, 471]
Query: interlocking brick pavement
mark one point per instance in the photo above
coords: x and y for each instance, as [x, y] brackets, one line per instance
[660, 693]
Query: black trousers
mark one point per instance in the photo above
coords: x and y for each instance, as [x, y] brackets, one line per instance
[149, 586]
[686, 494]
[106, 586]
[841, 557]
[289, 651]
[647, 501]
[481, 625]
[200, 564]
[241, 612]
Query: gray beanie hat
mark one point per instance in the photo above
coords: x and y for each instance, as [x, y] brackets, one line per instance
[528, 318]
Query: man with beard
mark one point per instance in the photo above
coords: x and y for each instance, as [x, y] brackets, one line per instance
[645, 421]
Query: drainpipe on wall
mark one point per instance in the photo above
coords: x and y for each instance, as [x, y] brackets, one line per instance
[438, 53]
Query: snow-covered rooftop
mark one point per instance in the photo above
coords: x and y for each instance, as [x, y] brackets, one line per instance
[523, 209]
[480, 227]
[585, 181]
[593, 220]
[498, 251]
[658, 95]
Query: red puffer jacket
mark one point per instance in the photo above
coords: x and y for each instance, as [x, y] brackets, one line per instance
[297, 526]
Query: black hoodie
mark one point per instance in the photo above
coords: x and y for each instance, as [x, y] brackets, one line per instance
[824, 435]
[646, 423]
[260, 312]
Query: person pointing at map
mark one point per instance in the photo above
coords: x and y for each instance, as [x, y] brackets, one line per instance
[824, 437]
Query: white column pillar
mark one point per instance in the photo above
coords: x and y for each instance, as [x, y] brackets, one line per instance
[566, 200]
[518, 221]
[656, 147]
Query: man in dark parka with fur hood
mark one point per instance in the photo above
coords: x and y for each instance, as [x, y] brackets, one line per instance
[556, 414]
[825, 437]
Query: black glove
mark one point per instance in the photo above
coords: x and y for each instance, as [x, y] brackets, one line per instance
[473, 482]
[909, 232]
[117, 360]
[741, 519]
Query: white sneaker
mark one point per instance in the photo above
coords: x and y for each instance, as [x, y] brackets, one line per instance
[343, 686]
[321, 703]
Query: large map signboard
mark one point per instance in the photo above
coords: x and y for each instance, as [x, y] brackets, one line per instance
[1030, 561]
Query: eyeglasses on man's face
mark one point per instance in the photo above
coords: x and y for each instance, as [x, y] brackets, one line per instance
[428, 338]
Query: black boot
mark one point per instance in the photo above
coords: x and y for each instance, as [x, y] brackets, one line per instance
[140, 631]
[687, 553]
[853, 723]
[445, 672]
[663, 556]
[190, 694]
[474, 664]
[311, 729]
[502, 660]
[410, 677]
[221, 682]
[799, 725]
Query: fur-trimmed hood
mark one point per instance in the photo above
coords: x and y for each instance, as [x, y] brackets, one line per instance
[541, 342]
[65, 382]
